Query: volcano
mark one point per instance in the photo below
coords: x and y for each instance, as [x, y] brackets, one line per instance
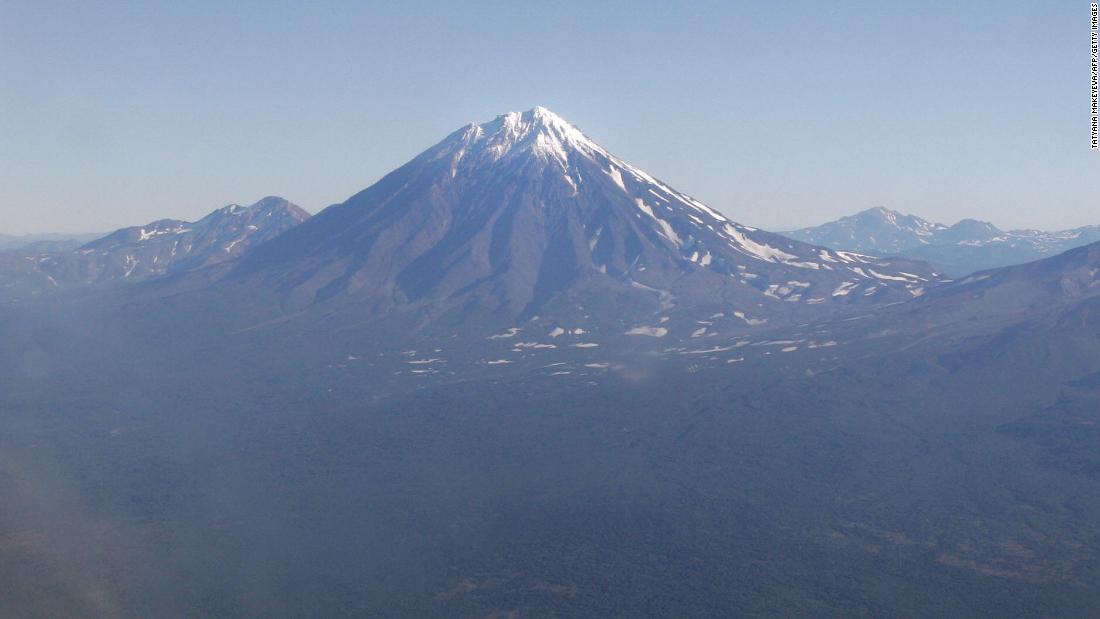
[525, 212]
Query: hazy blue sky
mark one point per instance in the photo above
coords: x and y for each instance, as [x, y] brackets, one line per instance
[778, 114]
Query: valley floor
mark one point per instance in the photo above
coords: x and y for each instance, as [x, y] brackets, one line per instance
[924, 482]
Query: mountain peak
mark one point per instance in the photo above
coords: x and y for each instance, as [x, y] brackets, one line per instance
[537, 116]
[165, 245]
[961, 248]
[266, 205]
[537, 131]
[875, 230]
[879, 213]
[540, 115]
[890, 216]
[272, 202]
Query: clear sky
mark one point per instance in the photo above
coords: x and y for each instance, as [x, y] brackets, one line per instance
[780, 114]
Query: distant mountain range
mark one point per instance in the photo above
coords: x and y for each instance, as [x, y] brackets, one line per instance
[962, 248]
[42, 243]
[140, 253]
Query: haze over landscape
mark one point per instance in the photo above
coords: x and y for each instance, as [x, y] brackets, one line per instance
[508, 367]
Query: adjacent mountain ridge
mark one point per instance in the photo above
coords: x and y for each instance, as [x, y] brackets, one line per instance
[154, 250]
[962, 248]
[169, 245]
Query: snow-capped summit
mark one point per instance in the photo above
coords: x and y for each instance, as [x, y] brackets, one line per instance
[518, 212]
[547, 137]
[537, 130]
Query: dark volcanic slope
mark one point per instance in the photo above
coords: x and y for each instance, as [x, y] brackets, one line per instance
[1070, 275]
[1053, 282]
[999, 295]
[508, 216]
[275, 472]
